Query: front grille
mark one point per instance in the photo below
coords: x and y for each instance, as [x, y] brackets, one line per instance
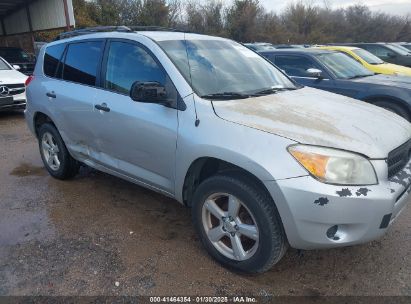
[14, 89]
[398, 158]
[13, 86]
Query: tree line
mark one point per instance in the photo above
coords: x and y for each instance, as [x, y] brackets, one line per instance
[249, 21]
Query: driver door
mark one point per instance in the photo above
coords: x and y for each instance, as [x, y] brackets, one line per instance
[135, 139]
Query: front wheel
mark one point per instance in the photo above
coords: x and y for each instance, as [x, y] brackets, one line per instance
[238, 223]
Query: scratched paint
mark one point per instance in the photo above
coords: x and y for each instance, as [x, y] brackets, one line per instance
[362, 191]
[344, 192]
[321, 201]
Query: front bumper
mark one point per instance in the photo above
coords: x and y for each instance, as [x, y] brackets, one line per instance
[19, 102]
[318, 215]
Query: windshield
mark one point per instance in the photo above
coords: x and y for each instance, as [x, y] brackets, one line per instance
[367, 56]
[397, 49]
[223, 66]
[343, 66]
[3, 65]
[401, 47]
[14, 55]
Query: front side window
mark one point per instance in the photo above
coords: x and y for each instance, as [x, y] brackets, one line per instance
[368, 57]
[52, 57]
[215, 67]
[295, 65]
[128, 63]
[82, 61]
[343, 66]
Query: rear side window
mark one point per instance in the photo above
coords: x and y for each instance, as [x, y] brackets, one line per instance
[82, 61]
[52, 58]
[295, 65]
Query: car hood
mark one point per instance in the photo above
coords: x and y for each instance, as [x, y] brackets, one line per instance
[316, 117]
[389, 67]
[11, 77]
[388, 80]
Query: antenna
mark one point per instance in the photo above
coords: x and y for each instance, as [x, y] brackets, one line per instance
[197, 121]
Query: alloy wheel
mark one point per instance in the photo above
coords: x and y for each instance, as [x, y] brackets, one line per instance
[230, 226]
[50, 151]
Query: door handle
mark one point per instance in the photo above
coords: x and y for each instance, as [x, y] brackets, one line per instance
[102, 107]
[51, 94]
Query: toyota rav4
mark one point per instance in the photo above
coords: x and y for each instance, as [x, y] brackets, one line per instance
[262, 161]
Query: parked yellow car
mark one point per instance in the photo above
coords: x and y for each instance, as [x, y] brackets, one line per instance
[370, 61]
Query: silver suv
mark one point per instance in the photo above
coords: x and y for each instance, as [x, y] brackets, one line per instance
[262, 161]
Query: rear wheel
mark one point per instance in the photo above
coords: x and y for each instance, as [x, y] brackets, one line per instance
[394, 108]
[54, 154]
[238, 224]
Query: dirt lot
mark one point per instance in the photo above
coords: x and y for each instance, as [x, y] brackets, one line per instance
[80, 237]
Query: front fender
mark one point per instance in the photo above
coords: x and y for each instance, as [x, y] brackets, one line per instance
[260, 153]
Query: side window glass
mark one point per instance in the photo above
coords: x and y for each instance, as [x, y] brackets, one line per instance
[82, 60]
[128, 63]
[295, 65]
[52, 58]
[379, 51]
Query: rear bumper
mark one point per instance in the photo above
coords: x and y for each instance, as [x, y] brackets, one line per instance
[318, 215]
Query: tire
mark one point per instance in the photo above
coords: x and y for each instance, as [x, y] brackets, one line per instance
[51, 144]
[257, 209]
[394, 108]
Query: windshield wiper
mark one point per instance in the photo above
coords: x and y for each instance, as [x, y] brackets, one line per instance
[225, 95]
[360, 76]
[272, 91]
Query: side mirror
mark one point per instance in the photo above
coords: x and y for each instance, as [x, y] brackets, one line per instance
[16, 67]
[149, 92]
[315, 73]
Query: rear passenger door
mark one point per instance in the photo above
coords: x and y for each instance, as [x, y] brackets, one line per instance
[296, 67]
[72, 93]
[136, 139]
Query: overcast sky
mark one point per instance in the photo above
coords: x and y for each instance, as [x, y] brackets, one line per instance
[397, 7]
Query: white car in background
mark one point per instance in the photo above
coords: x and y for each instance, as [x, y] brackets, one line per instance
[12, 87]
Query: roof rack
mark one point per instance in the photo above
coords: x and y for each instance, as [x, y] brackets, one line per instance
[120, 28]
[153, 28]
[96, 29]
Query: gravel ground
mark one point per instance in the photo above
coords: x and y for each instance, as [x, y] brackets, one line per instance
[100, 235]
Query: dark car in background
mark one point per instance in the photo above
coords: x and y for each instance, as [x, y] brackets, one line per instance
[388, 52]
[336, 72]
[17, 56]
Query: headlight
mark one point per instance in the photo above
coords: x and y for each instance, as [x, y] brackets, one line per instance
[334, 166]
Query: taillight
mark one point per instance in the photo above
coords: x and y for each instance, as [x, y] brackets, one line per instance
[28, 80]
